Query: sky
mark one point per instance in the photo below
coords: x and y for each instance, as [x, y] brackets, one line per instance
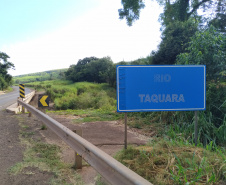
[41, 35]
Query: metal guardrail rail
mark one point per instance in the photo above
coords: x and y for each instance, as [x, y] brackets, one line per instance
[112, 170]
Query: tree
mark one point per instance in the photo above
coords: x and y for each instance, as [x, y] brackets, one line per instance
[131, 10]
[99, 70]
[180, 21]
[175, 38]
[207, 47]
[91, 69]
[219, 22]
[77, 73]
[5, 65]
[174, 10]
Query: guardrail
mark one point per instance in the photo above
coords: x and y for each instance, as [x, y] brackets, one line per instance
[112, 170]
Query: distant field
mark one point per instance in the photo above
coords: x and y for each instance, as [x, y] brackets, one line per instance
[40, 76]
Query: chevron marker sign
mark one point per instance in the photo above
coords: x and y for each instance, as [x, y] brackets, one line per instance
[22, 90]
[43, 101]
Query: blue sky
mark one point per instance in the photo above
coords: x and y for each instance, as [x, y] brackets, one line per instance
[31, 18]
[41, 35]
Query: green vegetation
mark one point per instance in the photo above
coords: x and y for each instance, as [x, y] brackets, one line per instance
[207, 47]
[41, 76]
[92, 69]
[81, 95]
[5, 65]
[165, 161]
[180, 20]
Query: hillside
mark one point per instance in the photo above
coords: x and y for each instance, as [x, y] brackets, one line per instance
[40, 76]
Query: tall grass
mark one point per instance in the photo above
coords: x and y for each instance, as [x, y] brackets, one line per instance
[208, 132]
[81, 95]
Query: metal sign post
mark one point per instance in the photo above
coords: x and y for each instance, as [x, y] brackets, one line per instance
[125, 130]
[196, 127]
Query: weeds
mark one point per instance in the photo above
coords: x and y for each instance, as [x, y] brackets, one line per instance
[164, 162]
[43, 127]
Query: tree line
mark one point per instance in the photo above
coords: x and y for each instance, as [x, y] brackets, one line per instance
[98, 70]
[5, 65]
[207, 47]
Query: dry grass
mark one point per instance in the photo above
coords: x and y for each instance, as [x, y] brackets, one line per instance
[164, 162]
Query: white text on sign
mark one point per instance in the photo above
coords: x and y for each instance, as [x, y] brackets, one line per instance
[162, 78]
[161, 98]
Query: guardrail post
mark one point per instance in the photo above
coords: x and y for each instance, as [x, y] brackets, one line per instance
[20, 110]
[78, 158]
[23, 110]
[18, 98]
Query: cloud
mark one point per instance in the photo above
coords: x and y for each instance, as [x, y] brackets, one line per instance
[99, 33]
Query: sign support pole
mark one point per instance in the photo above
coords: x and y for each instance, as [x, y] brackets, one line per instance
[125, 130]
[196, 127]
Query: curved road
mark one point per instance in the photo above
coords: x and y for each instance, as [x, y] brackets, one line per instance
[11, 98]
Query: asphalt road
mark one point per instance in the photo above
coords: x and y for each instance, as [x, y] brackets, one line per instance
[11, 98]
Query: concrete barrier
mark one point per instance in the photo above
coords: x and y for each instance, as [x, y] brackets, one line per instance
[15, 108]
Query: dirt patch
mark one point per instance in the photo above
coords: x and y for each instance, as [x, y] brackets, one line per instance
[107, 135]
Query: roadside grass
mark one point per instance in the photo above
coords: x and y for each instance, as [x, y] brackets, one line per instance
[165, 161]
[9, 89]
[45, 157]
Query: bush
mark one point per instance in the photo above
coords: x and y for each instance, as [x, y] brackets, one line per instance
[216, 103]
[94, 99]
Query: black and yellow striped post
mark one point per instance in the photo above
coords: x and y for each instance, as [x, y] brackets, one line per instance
[22, 91]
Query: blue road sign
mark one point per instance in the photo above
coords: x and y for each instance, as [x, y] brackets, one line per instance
[161, 88]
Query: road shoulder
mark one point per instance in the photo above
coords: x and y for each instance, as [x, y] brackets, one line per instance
[11, 153]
